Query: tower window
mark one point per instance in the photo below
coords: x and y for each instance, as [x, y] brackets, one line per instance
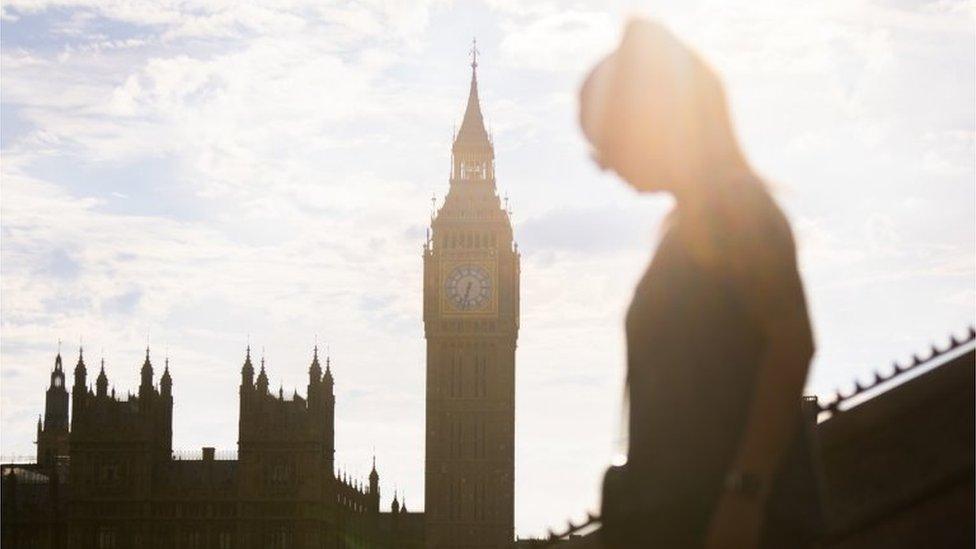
[479, 437]
[106, 538]
[481, 375]
[457, 438]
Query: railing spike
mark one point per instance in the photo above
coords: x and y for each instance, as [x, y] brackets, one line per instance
[916, 360]
[972, 333]
[878, 378]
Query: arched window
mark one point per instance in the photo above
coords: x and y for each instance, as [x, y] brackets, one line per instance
[106, 538]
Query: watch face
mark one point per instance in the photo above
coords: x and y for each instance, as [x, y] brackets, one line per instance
[468, 287]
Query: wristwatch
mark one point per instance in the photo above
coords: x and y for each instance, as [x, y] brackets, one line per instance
[744, 483]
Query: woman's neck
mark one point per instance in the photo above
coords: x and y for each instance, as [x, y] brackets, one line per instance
[706, 187]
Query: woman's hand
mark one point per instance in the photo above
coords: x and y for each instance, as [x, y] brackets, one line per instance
[736, 523]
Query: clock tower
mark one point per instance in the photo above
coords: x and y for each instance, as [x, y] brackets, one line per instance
[471, 319]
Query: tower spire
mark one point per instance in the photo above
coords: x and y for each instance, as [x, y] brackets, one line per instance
[472, 134]
[146, 372]
[474, 55]
[166, 381]
[262, 377]
[315, 370]
[101, 383]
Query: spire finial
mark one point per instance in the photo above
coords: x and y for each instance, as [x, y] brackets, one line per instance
[474, 54]
[59, 345]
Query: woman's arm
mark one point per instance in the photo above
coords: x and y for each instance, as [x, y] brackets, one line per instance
[774, 294]
[776, 401]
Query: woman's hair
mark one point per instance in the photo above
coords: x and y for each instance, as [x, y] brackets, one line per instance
[657, 114]
[655, 101]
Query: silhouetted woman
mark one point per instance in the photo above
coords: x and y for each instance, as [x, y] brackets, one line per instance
[718, 338]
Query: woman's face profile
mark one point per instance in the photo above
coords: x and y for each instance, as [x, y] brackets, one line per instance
[625, 119]
[638, 166]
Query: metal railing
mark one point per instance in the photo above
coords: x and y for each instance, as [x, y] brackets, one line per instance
[197, 455]
[835, 406]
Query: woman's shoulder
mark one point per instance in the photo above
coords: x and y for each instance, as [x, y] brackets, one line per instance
[754, 219]
[771, 226]
[740, 224]
[741, 230]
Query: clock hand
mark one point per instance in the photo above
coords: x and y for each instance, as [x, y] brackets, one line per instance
[467, 290]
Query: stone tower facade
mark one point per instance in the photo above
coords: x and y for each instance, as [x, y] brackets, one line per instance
[286, 459]
[117, 448]
[471, 319]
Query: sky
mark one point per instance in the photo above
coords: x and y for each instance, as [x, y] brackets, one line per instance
[204, 175]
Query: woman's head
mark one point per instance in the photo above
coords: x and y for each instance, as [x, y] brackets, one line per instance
[655, 113]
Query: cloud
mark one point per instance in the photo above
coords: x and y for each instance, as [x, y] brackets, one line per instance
[587, 230]
[59, 264]
[558, 39]
[123, 304]
[213, 174]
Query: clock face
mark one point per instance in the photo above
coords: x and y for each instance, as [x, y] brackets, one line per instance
[468, 287]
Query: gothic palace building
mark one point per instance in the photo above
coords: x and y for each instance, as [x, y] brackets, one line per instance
[108, 478]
